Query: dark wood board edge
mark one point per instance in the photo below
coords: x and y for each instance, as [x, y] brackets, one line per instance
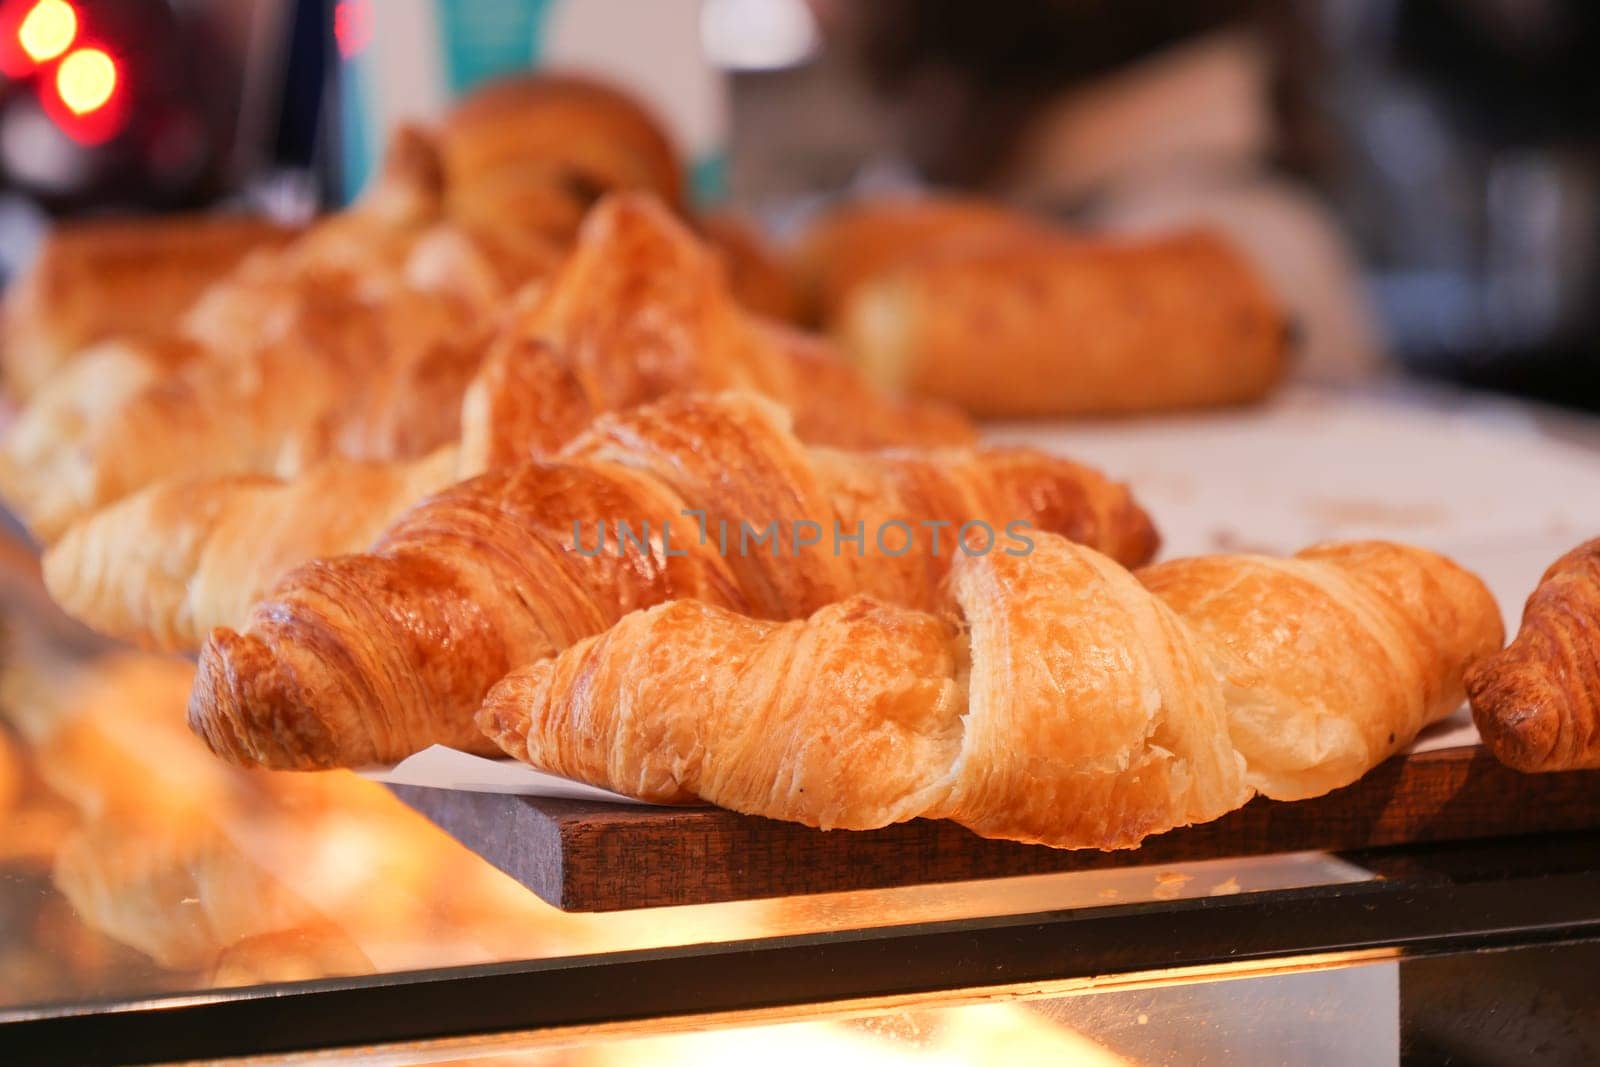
[584, 856]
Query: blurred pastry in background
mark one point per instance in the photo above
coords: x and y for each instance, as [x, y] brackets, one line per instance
[1052, 325]
[1185, 138]
[867, 236]
[639, 311]
[1138, 117]
[538, 152]
[357, 338]
[96, 280]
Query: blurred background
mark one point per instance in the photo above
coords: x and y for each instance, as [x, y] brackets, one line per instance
[1418, 176]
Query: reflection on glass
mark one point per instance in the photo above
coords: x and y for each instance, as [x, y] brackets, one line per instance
[133, 862]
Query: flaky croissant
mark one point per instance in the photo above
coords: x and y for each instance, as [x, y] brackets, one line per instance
[1058, 326]
[357, 338]
[1537, 703]
[323, 347]
[640, 283]
[131, 280]
[1057, 700]
[368, 658]
[640, 310]
[160, 568]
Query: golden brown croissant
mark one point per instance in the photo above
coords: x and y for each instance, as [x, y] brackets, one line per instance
[1537, 703]
[638, 282]
[368, 658]
[319, 347]
[1058, 700]
[639, 311]
[358, 338]
[337, 378]
[537, 151]
[1060, 326]
[162, 567]
[128, 279]
[865, 238]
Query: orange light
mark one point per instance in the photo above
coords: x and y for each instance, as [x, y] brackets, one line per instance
[85, 80]
[47, 29]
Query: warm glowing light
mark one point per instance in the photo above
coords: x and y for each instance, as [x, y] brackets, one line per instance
[48, 29]
[86, 79]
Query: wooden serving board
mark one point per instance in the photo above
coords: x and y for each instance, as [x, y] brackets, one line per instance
[585, 856]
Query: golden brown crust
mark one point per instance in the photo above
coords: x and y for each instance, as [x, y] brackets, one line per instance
[638, 312]
[642, 310]
[1056, 700]
[358, 338]
[1061, 327]
[865, 238]
[1407, 622]
[164, 566]
[368, 658]
[336, 377]
[538, 151]
[127, 279]
[1537, 703]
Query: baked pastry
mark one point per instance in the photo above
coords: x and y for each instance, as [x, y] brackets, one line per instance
[759, 277]
[1537, 703]
[1062, 326]
[640, 310]
[864, 238]
[536, 152]
[322, 348]
[367, 658]
[161, 567]
[337, 377]
[1058, 699]
[127, 279]
[358, 338]
[638, 283]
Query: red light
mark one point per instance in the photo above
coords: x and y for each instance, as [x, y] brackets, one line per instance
[34, 32]
[86, 80]
[85, 95]
[352, 26]
[47, 29]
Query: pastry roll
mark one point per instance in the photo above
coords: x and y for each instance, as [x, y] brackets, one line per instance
[1035, 327]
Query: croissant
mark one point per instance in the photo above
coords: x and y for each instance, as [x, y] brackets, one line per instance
[1537, 703]
[1058, 699]
[161, 567]
[368, 658]
[311, 351]
[126, 279]
[638, 282]
[1038, 326]
[536, 152]
[638, 311]
[358, 338]
[863, 239]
